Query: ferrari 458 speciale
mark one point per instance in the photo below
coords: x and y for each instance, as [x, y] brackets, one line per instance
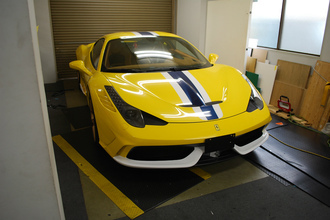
[157, 102]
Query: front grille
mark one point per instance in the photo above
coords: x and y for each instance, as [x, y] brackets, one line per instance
[248, 137]
[222, 144]
[154, 153]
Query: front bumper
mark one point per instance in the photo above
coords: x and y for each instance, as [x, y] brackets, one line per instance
[241, 145]
[120, 139]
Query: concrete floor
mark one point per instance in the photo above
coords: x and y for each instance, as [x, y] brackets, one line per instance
[227, 175]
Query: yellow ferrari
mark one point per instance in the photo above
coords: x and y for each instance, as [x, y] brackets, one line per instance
[157, 102]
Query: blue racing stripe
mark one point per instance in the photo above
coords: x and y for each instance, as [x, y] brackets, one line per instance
[188, 87]
[210, 109]
[193, 94]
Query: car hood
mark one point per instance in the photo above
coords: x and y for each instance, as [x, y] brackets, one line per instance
[185, 96]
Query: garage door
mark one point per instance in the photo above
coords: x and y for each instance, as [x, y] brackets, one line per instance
[77, 22]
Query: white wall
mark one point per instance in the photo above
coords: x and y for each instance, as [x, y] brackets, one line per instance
[191, 22]
[227, 29]
[46, 42]
[29, 186]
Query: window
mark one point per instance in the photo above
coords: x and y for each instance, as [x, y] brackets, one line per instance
[293, 25]
[96, 52]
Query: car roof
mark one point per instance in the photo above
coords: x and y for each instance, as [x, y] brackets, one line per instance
[135, 34]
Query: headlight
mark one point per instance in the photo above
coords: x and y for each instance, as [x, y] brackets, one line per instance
[255, 98]
[132, 115]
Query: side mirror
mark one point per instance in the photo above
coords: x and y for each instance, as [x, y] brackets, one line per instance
[213, 58]
[79, 65]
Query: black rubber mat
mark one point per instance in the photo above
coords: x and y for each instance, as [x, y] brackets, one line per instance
[276, 122]
[307, 166]
[313, 165]
[303, 138]
[291, 174]
[78, 117]
[147, 188]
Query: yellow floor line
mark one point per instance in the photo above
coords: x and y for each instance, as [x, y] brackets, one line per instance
[122, 201]
[198, 171]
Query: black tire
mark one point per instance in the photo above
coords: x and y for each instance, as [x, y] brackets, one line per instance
[78, 84]
[93, 120]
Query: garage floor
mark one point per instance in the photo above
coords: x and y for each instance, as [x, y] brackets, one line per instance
[257, 186]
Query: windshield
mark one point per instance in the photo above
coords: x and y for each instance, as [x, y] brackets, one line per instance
[150, 54]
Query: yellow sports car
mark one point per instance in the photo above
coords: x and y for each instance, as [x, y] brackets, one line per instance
[157, 102]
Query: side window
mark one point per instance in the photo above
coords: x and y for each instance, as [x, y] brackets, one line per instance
[96, 52]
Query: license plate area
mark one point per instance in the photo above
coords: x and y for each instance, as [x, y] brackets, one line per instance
[222, 143]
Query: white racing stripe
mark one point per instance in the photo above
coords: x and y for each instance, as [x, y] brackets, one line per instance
[184, 98]
[197, 84]
[203, 93]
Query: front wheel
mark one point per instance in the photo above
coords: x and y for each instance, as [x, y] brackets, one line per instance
[94, 127]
